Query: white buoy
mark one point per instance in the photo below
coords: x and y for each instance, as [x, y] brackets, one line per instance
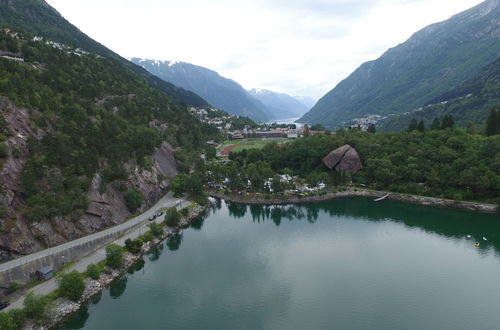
[484, 238]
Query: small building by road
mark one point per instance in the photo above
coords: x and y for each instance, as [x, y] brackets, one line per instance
[44, 273]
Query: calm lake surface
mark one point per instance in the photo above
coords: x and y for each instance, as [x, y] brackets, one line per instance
[345, 264]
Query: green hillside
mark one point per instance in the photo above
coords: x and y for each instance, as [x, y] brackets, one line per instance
[470, 102]
[96, 114]
[433, 61]
[38, 18]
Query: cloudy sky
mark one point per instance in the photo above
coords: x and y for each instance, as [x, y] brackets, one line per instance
[300, 47]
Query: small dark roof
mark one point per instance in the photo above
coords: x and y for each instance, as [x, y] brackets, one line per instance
[45, 270]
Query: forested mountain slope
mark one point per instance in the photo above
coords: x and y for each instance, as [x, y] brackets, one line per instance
[433, 61]
[39, 18]
[221, 92]
[84, 142]
[470, 102]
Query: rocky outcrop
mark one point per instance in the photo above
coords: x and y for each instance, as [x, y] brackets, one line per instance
[15, 234]
[106, 206]
[344, 159]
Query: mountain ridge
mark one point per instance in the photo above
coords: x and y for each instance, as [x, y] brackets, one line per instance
[283, 106]
[39, 18]
[223, 93]
[432, 61]
[469, 102]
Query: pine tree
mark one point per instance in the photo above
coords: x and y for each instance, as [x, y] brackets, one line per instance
[306, 131]
[447, 122]
[436, 124]
[493, 123]
[421, 126]
[413, 125]
[371, 128]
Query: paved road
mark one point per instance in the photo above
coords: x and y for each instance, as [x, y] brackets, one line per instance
[140, 222]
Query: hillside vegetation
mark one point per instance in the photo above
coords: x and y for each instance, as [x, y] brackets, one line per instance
[447, 163]
[469, 103]
[39, 18]
[433, 61]
[92, 113]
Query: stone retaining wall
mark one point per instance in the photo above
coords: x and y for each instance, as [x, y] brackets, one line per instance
[23, 271]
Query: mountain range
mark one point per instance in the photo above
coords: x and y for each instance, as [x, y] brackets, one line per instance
[224, 93]
[434, 61]
[282, 106]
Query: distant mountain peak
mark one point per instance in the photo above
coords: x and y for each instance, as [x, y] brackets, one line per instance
[283, 106]
[221, 92]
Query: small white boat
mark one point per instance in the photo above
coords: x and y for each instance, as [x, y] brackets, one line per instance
[468, 236]
[484, 238]
[381, 198]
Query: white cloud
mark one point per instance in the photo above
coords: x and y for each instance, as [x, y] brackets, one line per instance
[301, 47]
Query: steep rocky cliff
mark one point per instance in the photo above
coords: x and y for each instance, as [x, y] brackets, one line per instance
[106, 206]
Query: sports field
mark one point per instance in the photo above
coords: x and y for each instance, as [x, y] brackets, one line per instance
[246, 144]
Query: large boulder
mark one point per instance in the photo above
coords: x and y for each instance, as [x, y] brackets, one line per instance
[344, 159]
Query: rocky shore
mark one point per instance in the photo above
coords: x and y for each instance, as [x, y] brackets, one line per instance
[62, 308]
[296, 199]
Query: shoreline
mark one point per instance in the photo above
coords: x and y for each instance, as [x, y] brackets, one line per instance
[63, 308]
[414, 199]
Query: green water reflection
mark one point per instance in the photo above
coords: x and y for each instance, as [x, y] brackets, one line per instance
[344, 264]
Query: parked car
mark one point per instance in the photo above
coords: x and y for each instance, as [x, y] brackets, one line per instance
[4, 304]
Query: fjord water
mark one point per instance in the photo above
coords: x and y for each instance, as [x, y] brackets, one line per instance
[344, 264]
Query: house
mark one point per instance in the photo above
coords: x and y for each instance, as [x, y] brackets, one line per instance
[269, 134]
[237, 135]
[44, 273]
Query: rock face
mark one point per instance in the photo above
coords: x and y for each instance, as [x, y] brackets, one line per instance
[106, 208]
[344, 159]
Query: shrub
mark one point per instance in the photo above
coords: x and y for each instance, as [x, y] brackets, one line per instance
[184, 211]
[36, 306]
[201, 199]
[18, 317]
[114, 256]
[13, 287]
[4, 151]
[178, 185]
[172, 217]
[147, 236]
[155, 229]
[72, 285]
[6, 321]
[3, 212]
[133, 246]
[133, 199]
[93, 271]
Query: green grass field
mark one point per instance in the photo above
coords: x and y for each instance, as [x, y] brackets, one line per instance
[249, 144]
[255, 146]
